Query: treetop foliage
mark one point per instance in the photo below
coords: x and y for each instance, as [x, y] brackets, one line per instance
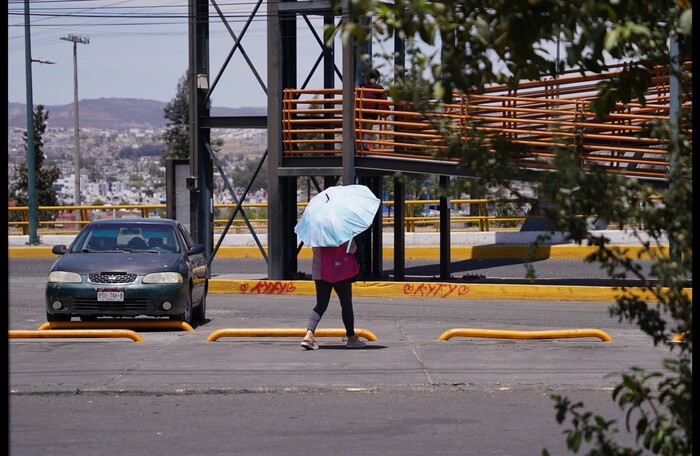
[45, 176]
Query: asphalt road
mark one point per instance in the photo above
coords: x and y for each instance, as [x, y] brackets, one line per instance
[408, 393]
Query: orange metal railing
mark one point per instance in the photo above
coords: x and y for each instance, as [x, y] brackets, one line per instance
[536, 115]
[312, 122]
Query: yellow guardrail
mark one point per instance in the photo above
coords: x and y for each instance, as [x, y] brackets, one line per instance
[498, 214]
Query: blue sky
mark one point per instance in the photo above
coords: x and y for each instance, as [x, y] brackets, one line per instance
[138, 49]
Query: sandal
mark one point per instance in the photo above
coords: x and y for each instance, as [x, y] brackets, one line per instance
[309, 345]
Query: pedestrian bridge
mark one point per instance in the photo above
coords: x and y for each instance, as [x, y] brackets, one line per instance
[536, 115]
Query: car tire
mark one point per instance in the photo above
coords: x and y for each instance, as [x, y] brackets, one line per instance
[57, 317]
[200, 312]
[186, 315]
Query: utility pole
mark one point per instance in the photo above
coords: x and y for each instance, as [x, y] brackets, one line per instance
[31, 147]
[75, 39]
[31, 152]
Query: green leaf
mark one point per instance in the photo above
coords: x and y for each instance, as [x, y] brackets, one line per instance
[642, 425]
[575, 441]
[686, 22]
[611, 39]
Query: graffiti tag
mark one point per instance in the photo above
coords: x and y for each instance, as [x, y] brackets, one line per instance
[268, 287]
[435, 290]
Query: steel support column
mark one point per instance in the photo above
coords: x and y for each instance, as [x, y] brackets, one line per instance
[399, 230]
[375, 184]
[201, 203]
[445, 243]
[281, 71]
[275, 236]
[349, 63]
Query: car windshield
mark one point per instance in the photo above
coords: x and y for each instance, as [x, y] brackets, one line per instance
[130, 237]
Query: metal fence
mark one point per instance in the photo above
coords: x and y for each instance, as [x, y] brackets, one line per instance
[466, 215]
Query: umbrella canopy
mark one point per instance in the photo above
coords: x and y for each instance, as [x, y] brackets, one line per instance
[336, 215]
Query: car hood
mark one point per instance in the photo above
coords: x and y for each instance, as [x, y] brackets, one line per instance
[116, 262]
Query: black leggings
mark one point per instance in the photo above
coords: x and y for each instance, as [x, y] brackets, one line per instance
[323, 297]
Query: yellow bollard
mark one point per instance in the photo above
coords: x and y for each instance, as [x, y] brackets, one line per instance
[117, 324]
[508, 334]
[78, 333]
[285, 332]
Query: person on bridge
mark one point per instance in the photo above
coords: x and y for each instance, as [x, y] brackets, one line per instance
[333, 268]
[370, 96]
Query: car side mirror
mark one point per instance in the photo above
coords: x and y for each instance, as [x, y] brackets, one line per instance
[59, 249]
[196, 249]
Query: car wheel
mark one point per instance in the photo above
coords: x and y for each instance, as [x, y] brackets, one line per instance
[186, 315]
[200, 312]
[57, 317]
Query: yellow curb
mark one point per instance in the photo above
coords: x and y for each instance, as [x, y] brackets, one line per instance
[439, 290]
[457, 253]
[262, 287]
[33, 251]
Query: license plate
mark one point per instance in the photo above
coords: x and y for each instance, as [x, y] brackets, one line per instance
[116, 294]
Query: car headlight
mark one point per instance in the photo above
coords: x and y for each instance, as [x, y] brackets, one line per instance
[163, 277]
[64, 277]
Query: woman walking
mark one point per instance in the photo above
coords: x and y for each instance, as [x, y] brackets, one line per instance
[333, 268]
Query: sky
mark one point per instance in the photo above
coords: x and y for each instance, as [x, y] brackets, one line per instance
[139, 49]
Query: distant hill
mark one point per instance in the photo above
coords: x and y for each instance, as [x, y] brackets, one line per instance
[113, 114]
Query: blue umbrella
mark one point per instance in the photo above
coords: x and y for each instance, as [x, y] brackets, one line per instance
[336, 215]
